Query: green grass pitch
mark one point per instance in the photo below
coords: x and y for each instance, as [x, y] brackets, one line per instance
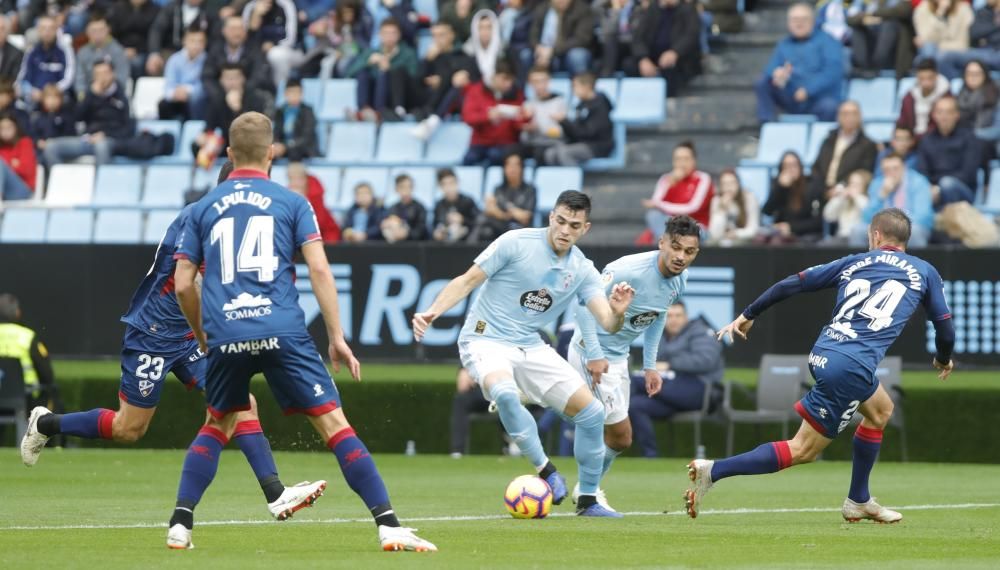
[790, 519]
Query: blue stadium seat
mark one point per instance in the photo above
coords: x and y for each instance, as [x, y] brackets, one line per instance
[796, 118]
[24, 225]
[641, 101]
[775, 139]
[329, 177]
[70, 226]
[550, 181]
[427, 8]
[312, 92]
[376, 176]
[118, 185]
[817, 134]
[880, 131]
[182, 150]
[956, 85]
[165, 186]
[610, 87]
[156, 225]
[339, 98]
[158, 127]
[876, 97]
[470, 182]
[279, 174]
[424, 42]
[206, 178]
[424, 186]
[617, 157]
[70, 185]
[351, 142]
[755, 179]
[904, 85]
[493, 177]
[118, 226]
[322, 136]
[396, 145]
[448, 144]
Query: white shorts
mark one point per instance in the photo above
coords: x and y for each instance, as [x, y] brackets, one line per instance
[613, 390]
[539, 372]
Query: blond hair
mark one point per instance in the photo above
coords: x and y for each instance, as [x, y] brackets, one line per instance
[250, 137]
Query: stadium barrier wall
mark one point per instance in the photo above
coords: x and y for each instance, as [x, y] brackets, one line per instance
[74, 294]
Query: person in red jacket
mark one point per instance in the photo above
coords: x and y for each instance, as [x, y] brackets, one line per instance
[19, 167]
[308, 186]
[496, 114]
[683, 190]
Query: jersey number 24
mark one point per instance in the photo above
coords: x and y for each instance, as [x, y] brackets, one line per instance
[878, 306]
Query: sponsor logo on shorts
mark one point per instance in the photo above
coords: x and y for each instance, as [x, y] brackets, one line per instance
[536, 301]
[146, 388]
[643, 320]
[823, 413]
[247, 306]
[480, 327]
[251, 346]
[817, 361]
[196, 355]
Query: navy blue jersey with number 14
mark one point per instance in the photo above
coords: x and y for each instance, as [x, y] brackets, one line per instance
[247, 231]
[877, 293]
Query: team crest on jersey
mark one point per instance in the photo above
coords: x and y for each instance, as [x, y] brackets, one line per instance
[643, 320]
[607, 277]
[146, 387]
[536, 302]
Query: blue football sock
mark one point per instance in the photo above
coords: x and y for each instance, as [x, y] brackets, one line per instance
[200, 465]
[519, 422]
[609, 458]
[93, 424]
[867, 442]
[250, 438]
[362, 476]
[588, 446]
[766, 458]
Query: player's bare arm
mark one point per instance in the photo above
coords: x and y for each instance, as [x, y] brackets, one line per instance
[189, 298]
[325, 289]
[458, 289]
[610, 312]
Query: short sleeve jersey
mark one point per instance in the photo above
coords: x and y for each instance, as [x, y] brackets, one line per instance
[246, 232]
[153, 308]
[527, 287]
[654, 294]
[877, 293]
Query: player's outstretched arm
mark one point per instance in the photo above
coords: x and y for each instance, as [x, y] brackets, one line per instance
[944, 341]
[456, 290]
[326, 293]
[610, 312]
[189, 298]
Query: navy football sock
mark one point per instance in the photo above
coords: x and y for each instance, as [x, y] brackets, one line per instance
[766, 458]
[362, 476]
[250, 438]
[200, 465]
[93, 424]
[867, 442]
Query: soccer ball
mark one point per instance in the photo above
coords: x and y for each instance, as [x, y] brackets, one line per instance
[528, 497]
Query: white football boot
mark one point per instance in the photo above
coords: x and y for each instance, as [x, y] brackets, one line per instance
[854, 512]
[33, 441]
[179, 538]
[294, 498]
[602, 499]
[394, 539]
[700, 473]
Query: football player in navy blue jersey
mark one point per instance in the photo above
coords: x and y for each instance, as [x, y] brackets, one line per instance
[877, 293]
[247, 320]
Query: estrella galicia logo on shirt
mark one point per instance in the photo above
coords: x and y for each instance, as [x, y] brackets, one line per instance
[536, 302]
[247, 306]
[643, 320]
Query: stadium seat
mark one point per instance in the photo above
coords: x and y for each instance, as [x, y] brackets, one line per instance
[329, 177]
[956, 85]
[796, 118]
[206, 179]
[424, 186]
[875, 96]
[147, 96]
[550, 181]
[70, 226]
[904, 85]
[610, 87]
[396, 145]
[616, 159]
[470, 182]
[427, 8]
[449, 144]
[779, 386]
[493, 177]
[156, 225]
[424, 42]
[279, 174]
[817, 134]
[880, 131]
[376, 176]
[158, 127]
[39, 184]
[182, 150]
[312, 92]
[641, 101]
[118, 185]
[755, 179]
[339, 99]
[322, 136]
[23, 225]
[351, 142]
[165, 186]
[118, 226]
[70, 185]
[775, 140]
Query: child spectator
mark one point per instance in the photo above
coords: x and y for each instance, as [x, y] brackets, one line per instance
[53, 120]
[455, 213]
[364, 219]
[309, 187]
[18, 168]
[735, 213]
[847, 203]
[406, 219]
[590, 133]
[544, 111]
[295, 126]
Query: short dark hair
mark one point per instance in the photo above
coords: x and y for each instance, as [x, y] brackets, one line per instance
[293, 82]
[683, 225]
[575, 201]
[679, 304]
[904, 128]
[227, 169]
[540, 69]
[586, 78]
[927, 65]
[231, 66]
[503, 67]
[893, 156]
[9, 308]
[688, 145]
[195, 30]
[402, 177]
[894, 224]
[391, 22]
[443, 173]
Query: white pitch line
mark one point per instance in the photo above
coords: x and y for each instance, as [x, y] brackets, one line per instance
[500, 517]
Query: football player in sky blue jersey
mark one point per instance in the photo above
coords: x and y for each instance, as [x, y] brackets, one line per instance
[247, 320]
[878, 292]
[659, 278]
[529, 276]
[159, 341]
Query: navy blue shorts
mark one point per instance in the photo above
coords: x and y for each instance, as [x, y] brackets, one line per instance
[146, 360]
[841, 386]
[294, 371]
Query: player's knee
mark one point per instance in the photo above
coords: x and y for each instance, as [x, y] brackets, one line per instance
[803, 452]
[127, 433]
[253, 408]
[618, 441]
[592, 415]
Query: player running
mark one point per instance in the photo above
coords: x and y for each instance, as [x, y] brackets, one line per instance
[878, 291]
[247, 232]
[659, 278]
[529, 277]
[159, 341]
